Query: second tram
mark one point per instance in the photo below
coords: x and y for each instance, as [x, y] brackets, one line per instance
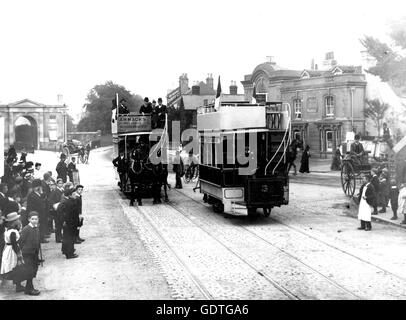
[243, 156]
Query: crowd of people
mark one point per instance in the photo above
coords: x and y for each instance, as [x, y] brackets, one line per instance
[34, 205]
[157, 112]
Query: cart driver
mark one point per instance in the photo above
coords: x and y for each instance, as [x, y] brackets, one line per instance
[357, 151]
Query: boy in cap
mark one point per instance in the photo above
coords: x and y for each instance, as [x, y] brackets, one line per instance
[30, 247]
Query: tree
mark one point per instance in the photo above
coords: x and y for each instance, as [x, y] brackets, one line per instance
[375, 111]
[97, 110]
[390, 64]
[69, 124]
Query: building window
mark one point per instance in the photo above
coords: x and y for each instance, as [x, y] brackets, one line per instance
[205, 102]
[329, 103]
[297, 105]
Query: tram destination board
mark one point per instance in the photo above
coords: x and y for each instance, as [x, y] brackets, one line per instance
[133, 123]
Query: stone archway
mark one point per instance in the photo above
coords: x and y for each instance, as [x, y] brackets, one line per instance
[26, 133]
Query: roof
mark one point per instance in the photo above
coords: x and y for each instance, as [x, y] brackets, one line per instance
[204, 90]
[30, 103]
[347, 69]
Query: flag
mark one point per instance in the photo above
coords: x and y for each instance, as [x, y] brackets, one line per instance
[218, 95]
[254, 96]
[114, 108]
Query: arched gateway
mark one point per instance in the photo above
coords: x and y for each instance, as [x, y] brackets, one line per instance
[33, 125]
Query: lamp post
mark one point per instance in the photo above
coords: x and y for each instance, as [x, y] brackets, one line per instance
[352, 89]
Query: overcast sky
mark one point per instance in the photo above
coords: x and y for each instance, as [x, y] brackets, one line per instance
[67, 47]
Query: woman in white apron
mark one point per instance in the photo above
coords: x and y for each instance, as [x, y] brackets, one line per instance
[366, 198]
[11, 255]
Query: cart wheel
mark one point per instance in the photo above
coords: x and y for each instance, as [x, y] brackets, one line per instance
[348, 181]
[267, 212]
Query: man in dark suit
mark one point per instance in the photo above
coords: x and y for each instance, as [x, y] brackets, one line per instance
[54, 198]
[36, 202]
[62, 168]
[375, 184]
[70, 223]
[161, 111]
[60, 212]
[79, 191]
[121, 166]
[146, 108]
[3, 196]
[357, 150]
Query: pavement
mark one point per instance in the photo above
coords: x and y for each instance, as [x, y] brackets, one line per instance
[321, 167]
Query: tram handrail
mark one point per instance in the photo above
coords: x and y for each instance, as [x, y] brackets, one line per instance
[288, 129]
[163, 135]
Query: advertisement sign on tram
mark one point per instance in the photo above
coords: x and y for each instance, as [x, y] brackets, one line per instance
[133, 123]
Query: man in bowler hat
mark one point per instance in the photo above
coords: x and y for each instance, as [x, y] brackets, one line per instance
[62, 168]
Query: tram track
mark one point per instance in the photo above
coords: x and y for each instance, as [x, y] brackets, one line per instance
[274, 283]
[335, 284]
[297, 230]
[185, 269]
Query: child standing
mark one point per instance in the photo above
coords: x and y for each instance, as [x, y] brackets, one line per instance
[12, 255]
[393, 196]
[30, 247]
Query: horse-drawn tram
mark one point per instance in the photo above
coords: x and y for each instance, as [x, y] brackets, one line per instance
[134, 138]
[243, 156]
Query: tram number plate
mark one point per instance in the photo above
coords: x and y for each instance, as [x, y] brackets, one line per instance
[274, 120]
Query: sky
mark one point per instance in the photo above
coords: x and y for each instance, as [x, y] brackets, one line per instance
[67, 47]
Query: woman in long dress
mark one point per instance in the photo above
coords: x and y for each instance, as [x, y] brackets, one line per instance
[304, 162]
[366, 200]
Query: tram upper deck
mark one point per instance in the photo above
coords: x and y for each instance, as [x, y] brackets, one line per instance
[233, 116]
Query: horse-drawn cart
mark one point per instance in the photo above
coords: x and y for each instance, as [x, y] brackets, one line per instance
[376, 155]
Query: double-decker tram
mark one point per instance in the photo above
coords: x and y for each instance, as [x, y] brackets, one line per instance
[243, 156]
[135, 139]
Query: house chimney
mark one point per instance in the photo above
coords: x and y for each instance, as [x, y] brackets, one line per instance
[60, 99]
[233, 87]
[183, 83]
[209, 81]
[196, 88]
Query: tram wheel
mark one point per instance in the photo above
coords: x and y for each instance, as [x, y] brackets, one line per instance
[267, 212]
[218, 207]
[252, 211]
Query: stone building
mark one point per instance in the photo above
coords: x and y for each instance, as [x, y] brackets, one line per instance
[34, 125]
[326, 104]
